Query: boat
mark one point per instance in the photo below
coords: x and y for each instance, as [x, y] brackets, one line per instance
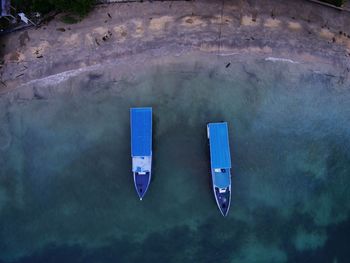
[141, 148]
[220, 162]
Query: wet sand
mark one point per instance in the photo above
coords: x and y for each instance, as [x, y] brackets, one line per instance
[300, 31]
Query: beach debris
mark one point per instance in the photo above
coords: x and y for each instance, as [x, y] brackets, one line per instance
[189, 20]
[98, 43]
[107, 35]
[37, 53]
[20, 75]
[254, 16]
[228, 64]
[272, 14]
[109, 15]
[61, 29]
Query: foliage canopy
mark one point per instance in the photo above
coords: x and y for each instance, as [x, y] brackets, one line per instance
[77, 7]
[334, 2]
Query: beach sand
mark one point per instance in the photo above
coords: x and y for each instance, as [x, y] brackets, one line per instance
[300, 31]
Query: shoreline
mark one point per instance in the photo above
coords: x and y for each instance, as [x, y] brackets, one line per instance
[263, 29]
[131, 67]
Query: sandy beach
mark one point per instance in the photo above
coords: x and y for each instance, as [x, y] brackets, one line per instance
[299, 31]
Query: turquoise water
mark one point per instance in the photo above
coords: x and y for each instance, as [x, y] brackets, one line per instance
[66, 190]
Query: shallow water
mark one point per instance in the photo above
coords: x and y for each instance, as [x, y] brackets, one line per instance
[66, 190]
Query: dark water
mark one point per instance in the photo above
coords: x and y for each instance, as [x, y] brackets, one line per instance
[66, 191]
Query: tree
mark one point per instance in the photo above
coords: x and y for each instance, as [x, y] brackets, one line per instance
[334, 2]
[77, 7]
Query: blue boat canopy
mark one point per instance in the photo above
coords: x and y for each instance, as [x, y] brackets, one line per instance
[222, 180]
[141, 131]
[219, 145]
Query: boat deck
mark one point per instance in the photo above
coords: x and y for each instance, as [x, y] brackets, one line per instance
[141, 148]
[220, 160]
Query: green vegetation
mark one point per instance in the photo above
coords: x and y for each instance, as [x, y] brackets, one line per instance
[69, 19]
[335, 2]
[74, 7]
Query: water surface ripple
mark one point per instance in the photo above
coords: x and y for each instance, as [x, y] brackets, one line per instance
[66, 191]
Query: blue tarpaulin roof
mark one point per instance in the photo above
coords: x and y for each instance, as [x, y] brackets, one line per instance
[222, 180]
[219, 145]
[141, 131]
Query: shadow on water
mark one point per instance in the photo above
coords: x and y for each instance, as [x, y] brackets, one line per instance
[155, 120]
[66, 188]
